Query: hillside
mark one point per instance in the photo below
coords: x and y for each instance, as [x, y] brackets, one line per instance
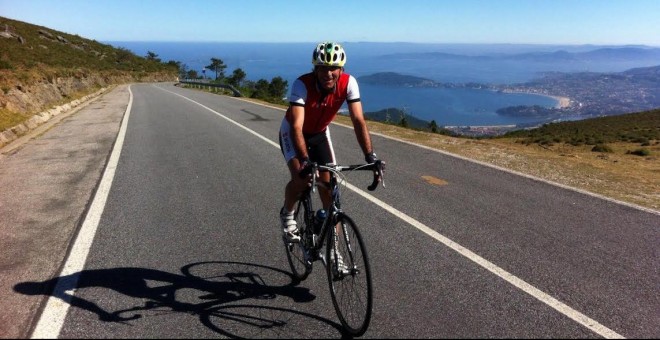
[394, 116]
[41, 67]
[640, 127]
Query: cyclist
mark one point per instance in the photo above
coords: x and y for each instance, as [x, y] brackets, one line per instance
[315, 99]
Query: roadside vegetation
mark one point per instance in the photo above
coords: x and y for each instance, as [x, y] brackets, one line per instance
[271, 92]
[33, 58]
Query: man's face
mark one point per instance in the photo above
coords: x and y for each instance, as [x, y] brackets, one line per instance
[328, 76]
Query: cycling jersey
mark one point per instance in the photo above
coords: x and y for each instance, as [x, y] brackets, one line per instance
[320, 107]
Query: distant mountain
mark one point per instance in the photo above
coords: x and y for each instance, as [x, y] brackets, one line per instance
[396, 79]
[627, 53]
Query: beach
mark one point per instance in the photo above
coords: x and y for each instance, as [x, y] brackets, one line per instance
[562, 102]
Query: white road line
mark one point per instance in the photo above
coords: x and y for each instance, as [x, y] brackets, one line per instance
[578, 317]
[52, 318]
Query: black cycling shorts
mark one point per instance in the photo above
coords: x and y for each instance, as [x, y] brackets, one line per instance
[319, 145]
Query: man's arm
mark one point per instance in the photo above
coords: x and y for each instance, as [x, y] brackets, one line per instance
[360, 127]
[297, 120]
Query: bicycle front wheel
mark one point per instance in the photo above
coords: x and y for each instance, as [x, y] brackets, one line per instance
[296, 252]
[349, 275]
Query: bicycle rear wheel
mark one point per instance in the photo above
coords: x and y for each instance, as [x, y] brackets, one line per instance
[296, 252]
[350, 284]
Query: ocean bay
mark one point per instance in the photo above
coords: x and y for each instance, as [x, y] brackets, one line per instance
[451, 107]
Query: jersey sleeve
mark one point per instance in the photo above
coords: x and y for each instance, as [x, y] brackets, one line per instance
[353, 90]
[298, 93]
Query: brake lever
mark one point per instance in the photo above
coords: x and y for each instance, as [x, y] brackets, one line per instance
[314, 170]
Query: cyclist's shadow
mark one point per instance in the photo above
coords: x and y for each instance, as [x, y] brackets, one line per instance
[218, 290]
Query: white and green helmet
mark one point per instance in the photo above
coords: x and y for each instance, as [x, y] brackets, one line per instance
[329, 54]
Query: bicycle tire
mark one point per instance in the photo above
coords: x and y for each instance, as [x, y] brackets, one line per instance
[351, 292]
[296, 252]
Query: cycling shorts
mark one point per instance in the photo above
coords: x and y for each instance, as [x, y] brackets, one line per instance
[319, 145]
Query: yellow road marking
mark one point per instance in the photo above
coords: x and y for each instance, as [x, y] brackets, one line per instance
[434, 180]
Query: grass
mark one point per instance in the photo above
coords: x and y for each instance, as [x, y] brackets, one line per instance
[65, 54]
[642, 127]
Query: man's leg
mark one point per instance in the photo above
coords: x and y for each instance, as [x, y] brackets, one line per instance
[292, 192]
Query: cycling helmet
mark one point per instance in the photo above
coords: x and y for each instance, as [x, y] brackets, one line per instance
[329, 54]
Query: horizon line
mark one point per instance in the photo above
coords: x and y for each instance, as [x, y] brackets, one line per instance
[391, 42]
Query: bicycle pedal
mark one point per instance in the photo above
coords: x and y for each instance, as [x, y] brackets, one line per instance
[309, 258]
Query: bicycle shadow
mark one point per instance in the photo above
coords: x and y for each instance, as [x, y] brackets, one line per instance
[217, 286]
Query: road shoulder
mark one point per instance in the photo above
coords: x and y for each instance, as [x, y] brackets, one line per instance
[47, 179]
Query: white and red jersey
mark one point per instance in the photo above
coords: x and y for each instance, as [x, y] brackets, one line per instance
[320, 107]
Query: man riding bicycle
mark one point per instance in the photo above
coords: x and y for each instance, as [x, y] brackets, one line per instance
[315, 99]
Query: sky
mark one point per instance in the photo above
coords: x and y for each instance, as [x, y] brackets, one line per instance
[571, 22]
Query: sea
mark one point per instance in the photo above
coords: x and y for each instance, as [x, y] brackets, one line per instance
[447, 106]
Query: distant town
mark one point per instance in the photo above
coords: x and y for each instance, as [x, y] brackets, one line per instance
[584, 94]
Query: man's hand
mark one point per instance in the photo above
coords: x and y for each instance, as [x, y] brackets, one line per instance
[371, 158]
[305, 167]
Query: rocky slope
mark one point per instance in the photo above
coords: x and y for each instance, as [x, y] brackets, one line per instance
[41, 70]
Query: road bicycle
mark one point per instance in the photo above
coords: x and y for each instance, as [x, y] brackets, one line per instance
[345, 258]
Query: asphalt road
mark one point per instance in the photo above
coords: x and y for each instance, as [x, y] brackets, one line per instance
[188, 243]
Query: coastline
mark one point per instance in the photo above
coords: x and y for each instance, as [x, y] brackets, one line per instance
[562, 102]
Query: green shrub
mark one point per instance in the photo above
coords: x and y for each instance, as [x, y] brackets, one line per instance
[602, 148]
[5, 65]
[639, 152]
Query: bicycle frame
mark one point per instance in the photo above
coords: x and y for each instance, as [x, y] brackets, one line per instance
[348, 273]
[318, 239]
